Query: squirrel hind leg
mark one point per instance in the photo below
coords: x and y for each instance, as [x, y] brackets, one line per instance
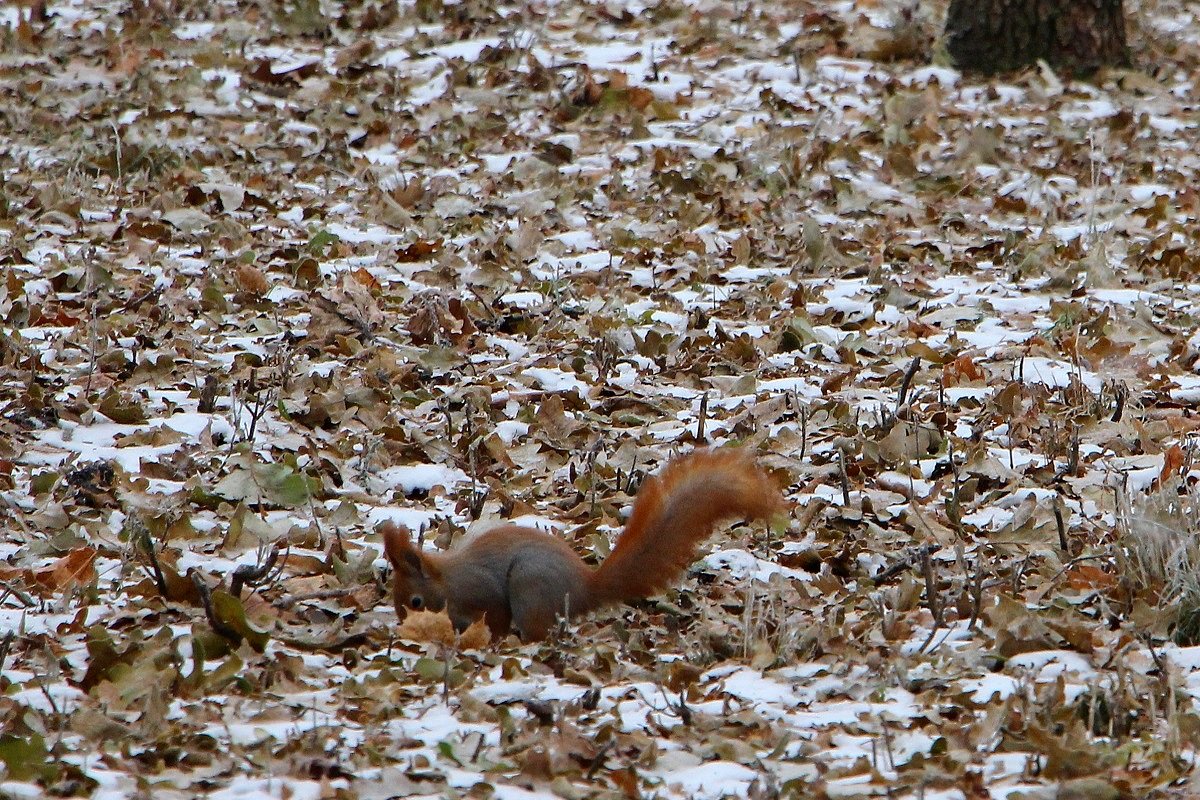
[537, 599]
[498, 622]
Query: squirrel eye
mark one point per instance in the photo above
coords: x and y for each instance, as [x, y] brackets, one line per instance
[416, 602]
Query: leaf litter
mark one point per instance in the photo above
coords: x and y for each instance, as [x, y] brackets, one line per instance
[276, 275]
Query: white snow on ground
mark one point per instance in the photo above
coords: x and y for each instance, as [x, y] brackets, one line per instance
[1023, 273]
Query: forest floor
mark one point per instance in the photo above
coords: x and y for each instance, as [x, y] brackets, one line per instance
[274, 273]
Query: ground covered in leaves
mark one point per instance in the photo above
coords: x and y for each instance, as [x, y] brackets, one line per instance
[274, 273]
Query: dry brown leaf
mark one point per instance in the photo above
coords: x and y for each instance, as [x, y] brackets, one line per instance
[477, 636]
[419, 250]
[368, 280]
[251, 280]
[427, 626]
[1088, 576]
[1173, 460]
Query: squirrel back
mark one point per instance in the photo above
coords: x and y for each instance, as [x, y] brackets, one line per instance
[520, 577]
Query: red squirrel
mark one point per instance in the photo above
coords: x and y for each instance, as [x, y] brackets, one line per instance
[522, 579]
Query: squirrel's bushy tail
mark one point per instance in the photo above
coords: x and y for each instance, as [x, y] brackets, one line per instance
[674, 512]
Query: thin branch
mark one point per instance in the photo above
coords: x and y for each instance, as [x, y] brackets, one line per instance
[210, 612]
[907, 561]
[247, 575]
[905, 382]
[289, 600]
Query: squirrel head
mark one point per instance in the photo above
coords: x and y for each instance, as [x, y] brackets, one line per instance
[417, 582]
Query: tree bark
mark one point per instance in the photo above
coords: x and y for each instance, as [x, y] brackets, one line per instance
[1079, 36]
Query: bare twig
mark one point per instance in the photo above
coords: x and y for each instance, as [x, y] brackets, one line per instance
[215, 622]
[935, 607]
[141, 536]
[22, 598]
[1122, 394]
[803, 431]
[1154, 654]
[598, 759]
[1062, 526]
[931, 595]
[905, 382]
[907, 561]
[289, 600]
[247, 575]
[845, 479]
[4, 645]
[887, 743]
[976, 592]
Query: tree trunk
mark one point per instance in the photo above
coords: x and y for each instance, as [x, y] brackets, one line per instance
[993, 36]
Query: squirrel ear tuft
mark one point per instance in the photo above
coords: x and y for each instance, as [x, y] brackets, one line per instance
[398, 547]
[412, 560]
